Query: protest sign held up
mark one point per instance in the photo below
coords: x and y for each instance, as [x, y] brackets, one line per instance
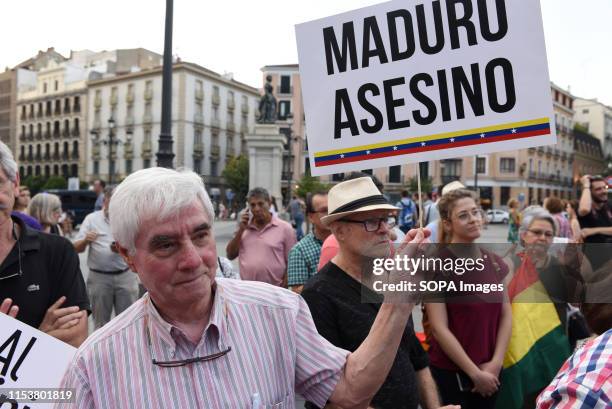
[32, 364]
[406, 82]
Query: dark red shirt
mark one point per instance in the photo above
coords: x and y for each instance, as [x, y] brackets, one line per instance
[474, 324]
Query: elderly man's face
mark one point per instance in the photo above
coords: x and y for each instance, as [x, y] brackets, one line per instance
[176, 259]
[260, 208]
[360, 241]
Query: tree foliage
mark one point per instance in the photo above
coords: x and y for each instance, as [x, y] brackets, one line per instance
[426, 184]
[236, 175]
[55, 182]
[309, 183]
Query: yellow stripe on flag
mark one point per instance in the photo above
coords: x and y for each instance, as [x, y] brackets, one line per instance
[530, 322]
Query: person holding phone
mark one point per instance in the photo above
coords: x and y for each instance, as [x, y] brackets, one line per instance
[469, 339]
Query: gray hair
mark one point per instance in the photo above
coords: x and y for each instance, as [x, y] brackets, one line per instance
[157, 193]
[259, 192]
[533, 213]
[7, 162]
[108, 192]
[42, 206]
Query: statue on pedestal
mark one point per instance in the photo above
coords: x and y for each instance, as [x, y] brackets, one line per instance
[267, 104]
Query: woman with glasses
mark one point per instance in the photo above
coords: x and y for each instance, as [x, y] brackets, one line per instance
[540, 289]
[469, 339]
[47, 209]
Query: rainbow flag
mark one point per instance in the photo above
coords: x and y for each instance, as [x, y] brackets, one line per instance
[538, 346]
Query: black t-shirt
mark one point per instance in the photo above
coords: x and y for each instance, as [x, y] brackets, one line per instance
[335, 301]
[49, 268]
[598, 218]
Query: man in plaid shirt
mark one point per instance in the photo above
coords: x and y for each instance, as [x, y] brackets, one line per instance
[304, 256]
[585, 380]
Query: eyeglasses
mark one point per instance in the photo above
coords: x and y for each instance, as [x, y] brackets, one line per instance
[20, 272]
[371, 225]
[322, 211]
[182, 362]
[538, 233]
[465, 216]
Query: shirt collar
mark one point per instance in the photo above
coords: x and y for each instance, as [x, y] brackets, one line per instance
[161, 329]
[273, 222]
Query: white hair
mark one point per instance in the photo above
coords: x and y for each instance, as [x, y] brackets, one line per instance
[153, 193]
[7, 162]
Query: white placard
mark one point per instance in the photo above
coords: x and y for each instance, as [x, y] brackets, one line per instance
[407, 81]
[73, 184]
[30, 359]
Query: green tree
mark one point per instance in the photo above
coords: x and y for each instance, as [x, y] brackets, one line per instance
[426, 185]
[236, 175]
[309, 183]
[35, 183]
[55, 182]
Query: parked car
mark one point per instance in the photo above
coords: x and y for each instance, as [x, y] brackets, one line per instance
[498, 216]
[76, 202]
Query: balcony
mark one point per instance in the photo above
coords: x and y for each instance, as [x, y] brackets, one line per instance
[231, 105]
[48, 112]
[40, 114]
[97, 102]
[31, 136]
[74, 155]
[39, 135]
[148, 94]
[65, 155]
[37, 157]
[66, 133]
[245, 108]
[215, 123]
[129, 98]
[56, 133]
[198, 150]
[23, 116]
[215, 150]
[77, 108]
[129, 121]
[31, 115]
[57, 111]
[146, 149]
[66, 109]
[114, 99]
[30, 157]
[284, 90]
[216, 99]
[540, 150]
[244, 128]
[56, 156]
[76, 132]
[199, 94]
[533, 176]
[230, 127]
[531, 150]
[21, 157]
[198, 118]
[22, 137]
[47, 156]
[47, 134]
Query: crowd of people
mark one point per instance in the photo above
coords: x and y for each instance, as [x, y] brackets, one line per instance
[193, 331]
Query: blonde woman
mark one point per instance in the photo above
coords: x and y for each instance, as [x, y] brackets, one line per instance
[47, 209]
[469, 339]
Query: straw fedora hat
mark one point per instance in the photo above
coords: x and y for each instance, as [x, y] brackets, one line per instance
[354, 196]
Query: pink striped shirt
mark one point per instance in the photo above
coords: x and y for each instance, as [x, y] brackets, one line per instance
[275, 352]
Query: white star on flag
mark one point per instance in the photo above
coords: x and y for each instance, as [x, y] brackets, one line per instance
[342, 156]
[452, 139]
[482, 135]
[513, 130]
[368, 152]
[422, 143]
[395, 148]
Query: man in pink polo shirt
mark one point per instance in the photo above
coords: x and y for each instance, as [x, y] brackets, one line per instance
[262, 242]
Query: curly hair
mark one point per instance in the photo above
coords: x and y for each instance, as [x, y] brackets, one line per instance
[445, 207]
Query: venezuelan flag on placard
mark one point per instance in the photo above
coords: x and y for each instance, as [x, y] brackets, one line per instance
[538, 345]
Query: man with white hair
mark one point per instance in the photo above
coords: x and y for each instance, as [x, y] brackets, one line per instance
[196, 341]
[361, 220]
[40, 279]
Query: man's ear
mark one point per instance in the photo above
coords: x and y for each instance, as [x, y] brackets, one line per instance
[126, 256]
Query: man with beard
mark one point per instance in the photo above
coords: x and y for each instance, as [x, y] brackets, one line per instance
[595, 217]
[361, 219]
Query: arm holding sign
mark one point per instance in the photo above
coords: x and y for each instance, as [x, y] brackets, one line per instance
[7, 308]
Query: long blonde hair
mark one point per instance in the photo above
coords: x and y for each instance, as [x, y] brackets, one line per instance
[445, 207]
[42, 206]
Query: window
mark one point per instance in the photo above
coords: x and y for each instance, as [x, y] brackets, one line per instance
[338, 177]
[44, 88]
[481, 165]
[368, 171]
[504, 195]
[424, 169]
[56, 85]
[213, 168]
[395, 174]
[96, 167]
[507, 165]
[285, 84]
[585, 111]
[284, 109]
[128, 166]
[146, 163]
[197, 165]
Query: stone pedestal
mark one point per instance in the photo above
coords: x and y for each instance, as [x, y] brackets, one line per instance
[266, 158]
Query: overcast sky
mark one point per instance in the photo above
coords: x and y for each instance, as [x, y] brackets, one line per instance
[241, 36]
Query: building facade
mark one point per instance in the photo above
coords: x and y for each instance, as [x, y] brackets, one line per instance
[211, 115]
[589, 159]
[596, 118]
[52, 105]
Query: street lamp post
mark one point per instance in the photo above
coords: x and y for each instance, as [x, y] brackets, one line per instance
[165, 155]
[112, 143]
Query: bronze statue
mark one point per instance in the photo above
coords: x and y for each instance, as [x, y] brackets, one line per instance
[267, 104]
